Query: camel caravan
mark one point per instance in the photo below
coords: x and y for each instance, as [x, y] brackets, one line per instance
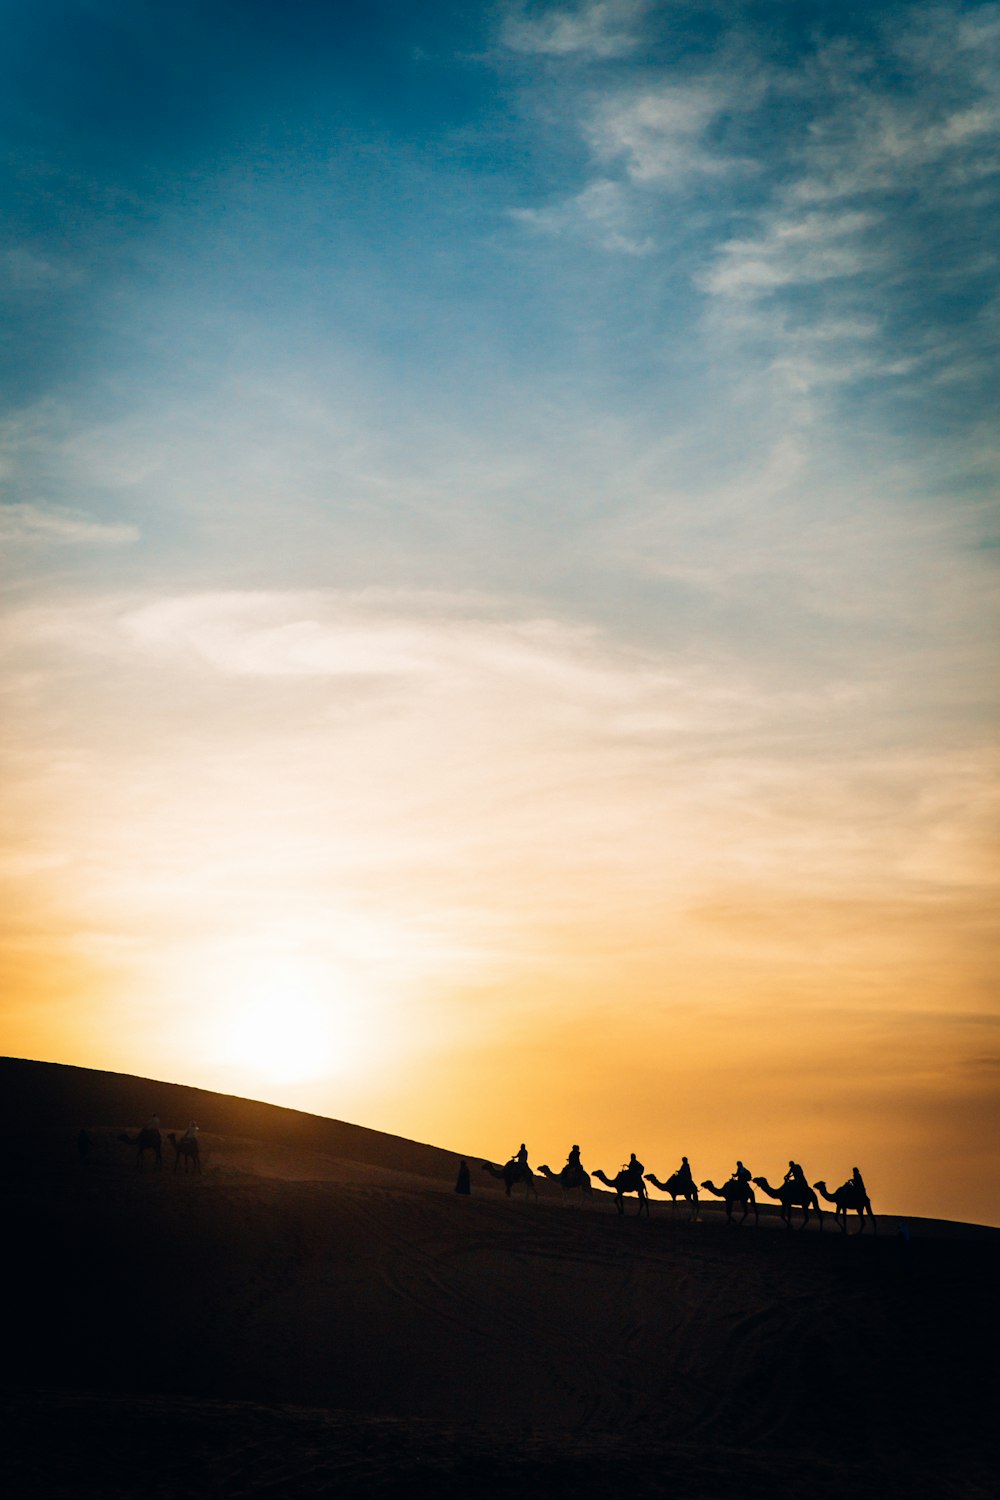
[794, 1193]
[149, 1138]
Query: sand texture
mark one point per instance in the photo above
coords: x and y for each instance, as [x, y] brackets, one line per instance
[318, 1313]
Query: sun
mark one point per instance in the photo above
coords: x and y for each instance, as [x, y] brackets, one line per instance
[289, 1022]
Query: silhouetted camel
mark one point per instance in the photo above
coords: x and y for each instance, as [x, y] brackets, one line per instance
[847, 1198]
[511, 1172]
[735, 1192]
[677, 1187]
[569, 1179]
[790, 1196]
[186, 1147]
[626, 1182]
[146, 1140]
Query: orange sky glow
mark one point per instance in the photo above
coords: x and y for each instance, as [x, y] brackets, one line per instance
[499, 518]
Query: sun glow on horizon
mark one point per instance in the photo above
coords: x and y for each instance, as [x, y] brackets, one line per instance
[287, 1018]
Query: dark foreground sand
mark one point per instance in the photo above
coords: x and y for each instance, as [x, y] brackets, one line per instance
[319, 1314]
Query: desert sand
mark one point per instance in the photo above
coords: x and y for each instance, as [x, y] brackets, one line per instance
[318, 1313]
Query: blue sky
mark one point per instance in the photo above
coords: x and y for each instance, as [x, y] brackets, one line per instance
[501, 473]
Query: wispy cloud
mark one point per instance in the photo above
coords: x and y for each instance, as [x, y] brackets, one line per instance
[813, 247]
[20, 522]
[661, 135]
[594, 29]
[602, 213]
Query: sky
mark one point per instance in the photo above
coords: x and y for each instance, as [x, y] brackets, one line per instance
[500, 605]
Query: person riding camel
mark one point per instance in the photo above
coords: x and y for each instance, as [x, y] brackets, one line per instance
[742, 1174]
[634, 1168]
[522, 1156]
[795, 1177]
[191, 1134]
[857, 1183]
[683, 1173]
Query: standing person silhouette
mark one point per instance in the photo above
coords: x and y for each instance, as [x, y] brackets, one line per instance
[463, 1182]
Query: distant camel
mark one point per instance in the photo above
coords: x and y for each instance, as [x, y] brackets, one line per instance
[626, 1182]
[569, 1179]
[735, 1192]
[186, 1147]
[511, 1172]
[146, 1140]
[677, 1187]
[847, 1198]
[790, 1196]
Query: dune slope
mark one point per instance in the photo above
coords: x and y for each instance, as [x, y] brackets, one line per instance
[363, 1320]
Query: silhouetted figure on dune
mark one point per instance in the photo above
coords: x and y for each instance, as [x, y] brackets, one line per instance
[794, 1192]
[511, 1173]
[679, 1184]
[634, 1168]
[628, 1180]
[851, 1197]
[573, 1175]
[186, 1149]
[463, 1182]
[684, 1175]
[148, 1139]
[735, 1193]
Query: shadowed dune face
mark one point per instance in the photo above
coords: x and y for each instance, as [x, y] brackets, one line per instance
[286, 1273]
[397, 1300]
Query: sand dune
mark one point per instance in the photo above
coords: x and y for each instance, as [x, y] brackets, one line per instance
[318, 1312]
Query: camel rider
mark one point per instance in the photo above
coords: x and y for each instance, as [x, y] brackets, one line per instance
[857, 1182]
[795, 1177]
[634, 1168]
[522, 1156]
[153, 1123]
[573, 1162]
[191, 1134]
[742, 1175]
[683, 1173]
